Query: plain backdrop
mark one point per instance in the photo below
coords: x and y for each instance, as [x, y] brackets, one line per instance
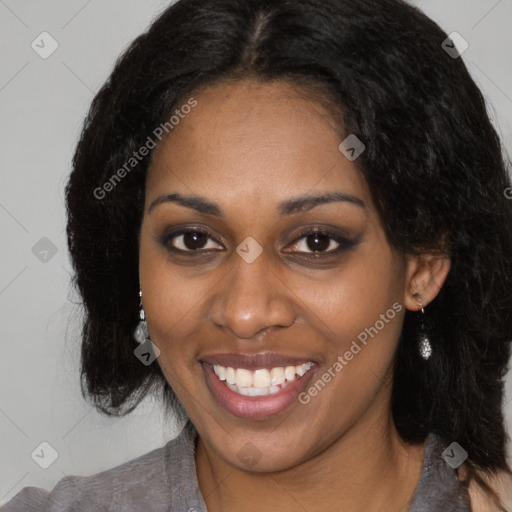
[42, 104]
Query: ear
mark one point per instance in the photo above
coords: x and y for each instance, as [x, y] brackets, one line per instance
[425, 276]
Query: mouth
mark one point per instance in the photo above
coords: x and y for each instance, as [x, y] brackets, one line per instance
[256, 389]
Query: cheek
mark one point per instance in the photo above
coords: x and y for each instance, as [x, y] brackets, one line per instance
[172, 302]
[173, 316]
[174, 312]
[357, 295]
[360, 315]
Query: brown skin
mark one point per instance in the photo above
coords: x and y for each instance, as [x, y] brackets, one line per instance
[247, 147]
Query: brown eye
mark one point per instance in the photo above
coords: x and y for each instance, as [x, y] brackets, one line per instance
[189, 240]
[194, 240]
[319, 243]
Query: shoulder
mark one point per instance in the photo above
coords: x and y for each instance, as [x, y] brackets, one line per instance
[131, 486]
[501, 483]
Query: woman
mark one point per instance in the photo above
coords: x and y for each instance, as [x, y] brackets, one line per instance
[291, 218]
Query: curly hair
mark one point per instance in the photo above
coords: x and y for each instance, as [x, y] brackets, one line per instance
[433, 161]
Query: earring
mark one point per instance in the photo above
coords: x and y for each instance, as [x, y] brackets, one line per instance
[424, 346]
[141, 333]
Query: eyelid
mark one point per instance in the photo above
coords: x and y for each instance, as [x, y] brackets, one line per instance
[168, 236]
[343, 240]
[312, 230]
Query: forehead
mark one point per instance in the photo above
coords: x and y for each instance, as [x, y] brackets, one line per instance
[254, 142]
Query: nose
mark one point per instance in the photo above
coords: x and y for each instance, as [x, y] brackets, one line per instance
[251, 298]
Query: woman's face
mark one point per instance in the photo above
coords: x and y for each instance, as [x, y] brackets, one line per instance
[248, 288]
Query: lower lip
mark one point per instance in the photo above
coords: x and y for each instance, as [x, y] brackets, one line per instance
[254, 407]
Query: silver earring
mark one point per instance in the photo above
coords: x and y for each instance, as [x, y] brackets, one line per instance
[424, 345]
[141, 333]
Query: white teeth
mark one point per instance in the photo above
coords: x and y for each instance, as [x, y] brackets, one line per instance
[259, 382]
[243, 378]
[254, 391]
[220, 371]
[277, 376]
[260, 379]
[230, 375]
[302, 369]
[289, 373]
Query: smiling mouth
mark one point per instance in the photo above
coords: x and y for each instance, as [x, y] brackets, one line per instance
[256, 386]
[261, 381]
[259, 393]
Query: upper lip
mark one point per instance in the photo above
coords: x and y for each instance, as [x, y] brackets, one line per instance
[254, 361]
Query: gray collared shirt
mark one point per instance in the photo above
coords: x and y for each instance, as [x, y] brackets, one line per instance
[164, 480]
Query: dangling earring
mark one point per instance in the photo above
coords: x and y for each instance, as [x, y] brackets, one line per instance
[141, 333]
[424, 346]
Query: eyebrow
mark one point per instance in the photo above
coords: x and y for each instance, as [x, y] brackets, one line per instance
[288, 207]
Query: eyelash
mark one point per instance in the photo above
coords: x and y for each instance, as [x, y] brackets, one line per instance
[344, 243]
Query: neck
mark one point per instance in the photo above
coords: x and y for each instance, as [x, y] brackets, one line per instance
[369, 467]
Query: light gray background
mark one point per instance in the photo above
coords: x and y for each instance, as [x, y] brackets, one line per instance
[42, 105]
